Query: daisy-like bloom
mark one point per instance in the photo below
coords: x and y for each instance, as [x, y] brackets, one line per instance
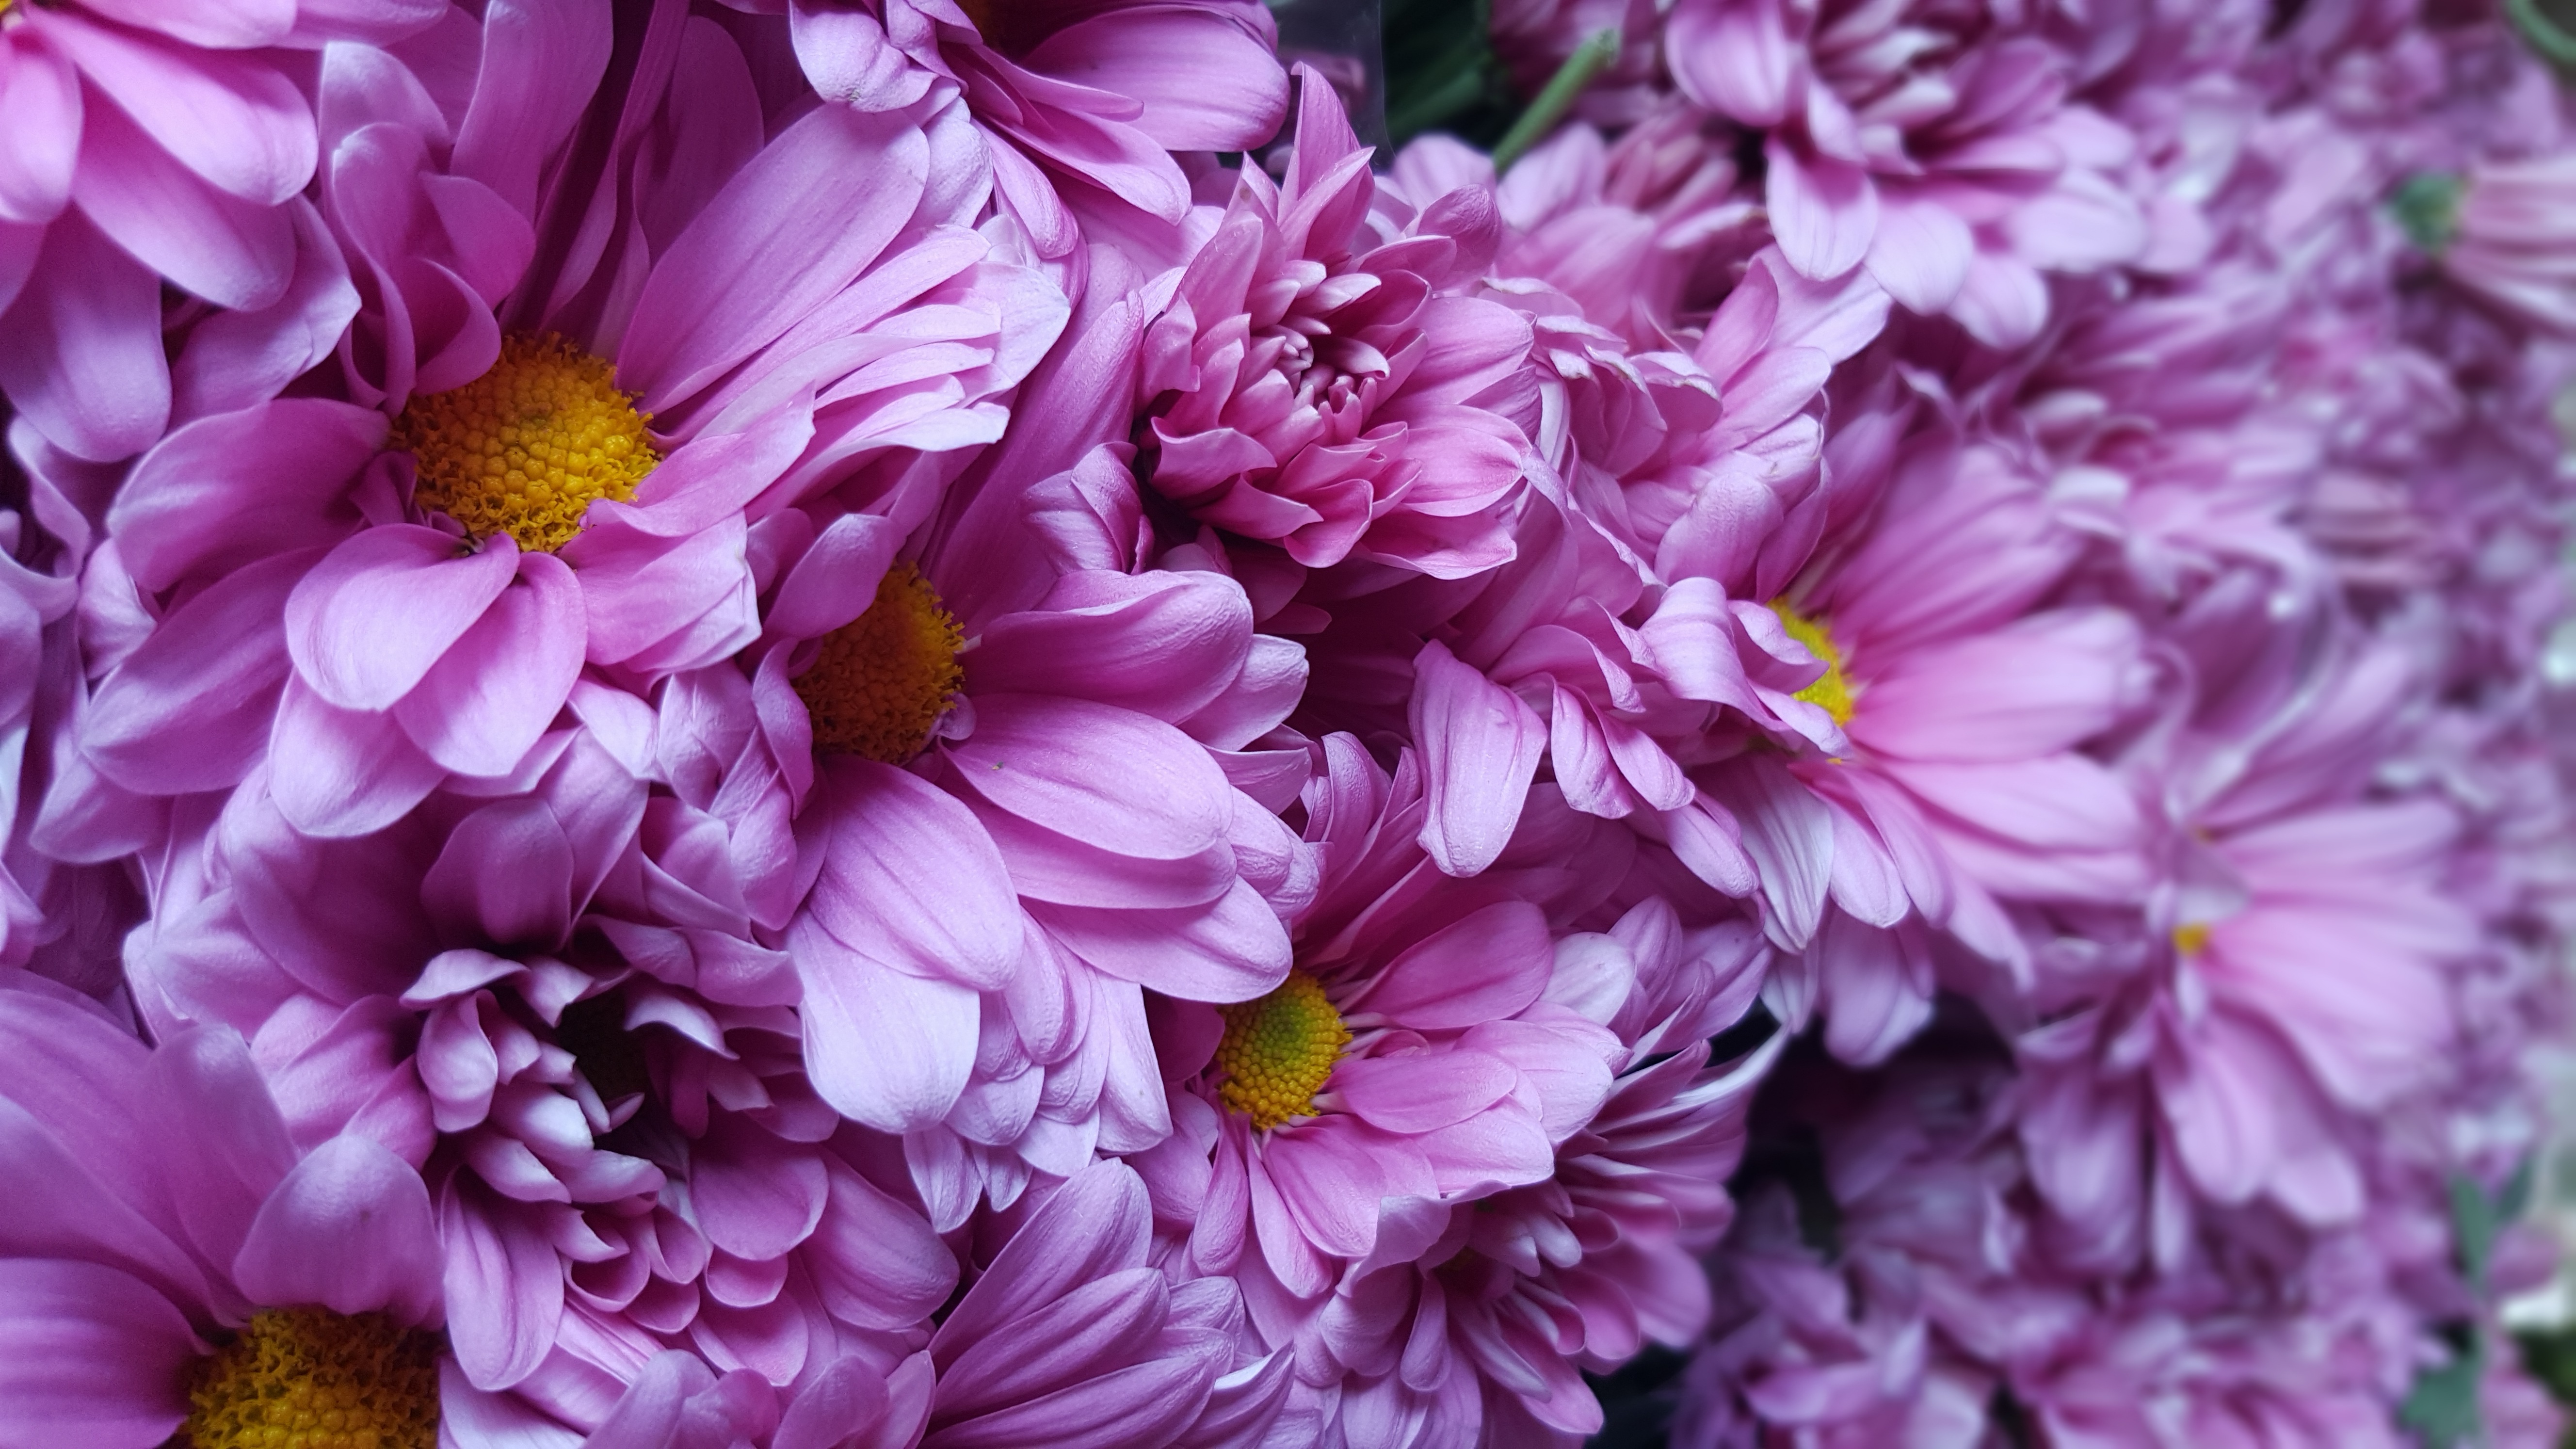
[1473, 1316]
[1410, 1055]
[997, 775]
[540, 1002]
[1938, 147]
[1083, 102]
[1964, 708]
[1319, 382]
[2500, 231]
[385, 603]
[2292, 977]
[150, 143]
[175, 1265]
[1069, 1336]
[1647, 232]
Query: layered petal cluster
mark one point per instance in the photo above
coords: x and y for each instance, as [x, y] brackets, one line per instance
[1938, 148]
[815, 723]
[1320, 384]
[1083, 103]
[151, 145]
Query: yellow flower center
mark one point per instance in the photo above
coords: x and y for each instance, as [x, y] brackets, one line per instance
[1278, 1051]
[1831, 693]
[524, 448]
[2191, 939]
[304, 1378]
[886, 677]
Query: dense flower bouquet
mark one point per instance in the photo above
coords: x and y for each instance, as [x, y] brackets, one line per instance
[981, 723]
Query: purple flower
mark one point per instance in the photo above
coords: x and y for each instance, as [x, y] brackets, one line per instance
[173, 1261]
[539, 513]
[1936, 148]
[151, 143]
[1017, 776]
[1083, 103]
[1317, 384]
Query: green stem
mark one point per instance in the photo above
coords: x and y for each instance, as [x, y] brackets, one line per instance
[2542, 32]
[1590, 58]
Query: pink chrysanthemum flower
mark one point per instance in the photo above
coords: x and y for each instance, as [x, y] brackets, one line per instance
[1409, 1055]
[1935, 146]
[1319, 384]
[993, 777]
[172, 1263]
[2296, 978]
[540, 1003]
[1069, 1337]
[1083, 102]
[547, 512]
[1646, 232]
[1475, 1316]
[150, 143]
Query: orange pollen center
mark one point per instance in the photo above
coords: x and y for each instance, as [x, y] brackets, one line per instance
[2191, 939]
[526, 447]
[884, 679]
[305, 1378]
[1278, 1051]
[1831, 692]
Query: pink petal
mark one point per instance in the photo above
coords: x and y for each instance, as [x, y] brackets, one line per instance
[1206, 82]
[1041, 758]
[910, 880]
[484, 704]
[84, 361]
[349, 1229]
[1480, 749]
[885, 1047]
[811, 211]
[234, 253]
[232, 118]
[370, 620]
[757, 1196]
[846, 57]
[504, 1286]
[873, 1260]
[191, 709]
[89, 1358]
[1422, 1091]
[40, 130]
[1920, 253]
[1486, 966]
[1824, 211]
[540, 64]
[223, 491]
[343, 772]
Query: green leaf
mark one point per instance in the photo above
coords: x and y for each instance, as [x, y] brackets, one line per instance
[2442, 1408]
[2511, 1203]
[2473, 1230]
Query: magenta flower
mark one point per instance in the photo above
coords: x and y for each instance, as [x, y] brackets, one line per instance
[1491, 1305]
[148, 144]
[1410, 1056]
[1083, 102]
[173, 1263]
[2235, 1052]
[1016, 776]
[2501, 232]
[544, 514]
[538, 1002]
[1318, 384]
[1936, 148]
